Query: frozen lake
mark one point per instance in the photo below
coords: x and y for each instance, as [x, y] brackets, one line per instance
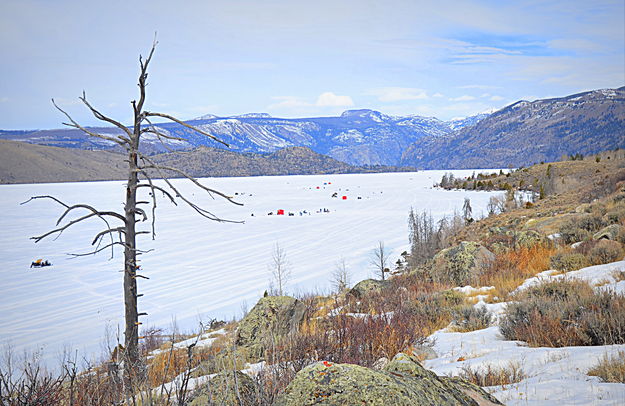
[199, 269]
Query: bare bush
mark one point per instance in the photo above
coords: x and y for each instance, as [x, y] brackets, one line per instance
[565, 313]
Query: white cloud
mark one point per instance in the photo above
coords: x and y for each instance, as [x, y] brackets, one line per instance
[393, 94]
[438, 95]
[465, 97]
[496, 98]
[4, 99]
[329, 99]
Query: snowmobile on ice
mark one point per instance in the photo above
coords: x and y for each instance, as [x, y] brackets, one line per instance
[40, 263]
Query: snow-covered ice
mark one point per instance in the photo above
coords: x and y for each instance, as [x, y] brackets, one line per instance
[199, 269]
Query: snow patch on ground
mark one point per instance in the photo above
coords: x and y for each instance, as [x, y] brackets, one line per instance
[605, 276]
[205, 340]
[554, 375]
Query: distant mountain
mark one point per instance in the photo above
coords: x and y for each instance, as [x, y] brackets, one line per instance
[529, 132]
[207, 161]
[357, 137]
[27, 163]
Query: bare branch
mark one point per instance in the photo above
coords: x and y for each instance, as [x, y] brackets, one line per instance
[174, 119]
[93, 210]
[160, 189]
[151, 185]
[74, 124]
[142, 79]
[111, 245]
[142, 213]
[198, 209]
[101, 234]
[161, 168]
[65, 227]
[102, 117]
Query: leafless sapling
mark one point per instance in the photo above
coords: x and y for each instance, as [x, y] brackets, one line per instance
[121, 228]
[379, 260]
[280, 270]
[341, 276]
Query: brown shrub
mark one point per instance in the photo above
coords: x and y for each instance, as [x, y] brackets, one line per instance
[565, 313]
[471, 318]
[511, 268]
[610, 369]
[605, 251]
[567, 260]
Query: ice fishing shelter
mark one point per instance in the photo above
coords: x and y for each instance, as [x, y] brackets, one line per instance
[344, 197]
[280, 212]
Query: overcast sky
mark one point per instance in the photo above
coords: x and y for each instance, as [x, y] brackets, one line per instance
[302, 58]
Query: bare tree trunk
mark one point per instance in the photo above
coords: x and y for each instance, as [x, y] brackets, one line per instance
[131, 341]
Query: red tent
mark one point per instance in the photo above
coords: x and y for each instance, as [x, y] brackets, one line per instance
[280, 212]
[344, 197]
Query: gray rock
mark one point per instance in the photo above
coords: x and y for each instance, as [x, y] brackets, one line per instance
[424, 352]
[461, 263]
[367, 286]
[272, 316]
[610, 232]
[226, 388]
[403, 382]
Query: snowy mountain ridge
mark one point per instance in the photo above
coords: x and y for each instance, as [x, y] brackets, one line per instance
[357, 137]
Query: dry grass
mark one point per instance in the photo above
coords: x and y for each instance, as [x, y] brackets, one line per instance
[490, 375]
[610, 369]
[511, 269]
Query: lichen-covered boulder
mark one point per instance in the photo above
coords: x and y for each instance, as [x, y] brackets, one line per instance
[367, 286]
[402, 382]
[461, 263]
[274, 316]
[226, 388]
[526, 238]
[610, 232]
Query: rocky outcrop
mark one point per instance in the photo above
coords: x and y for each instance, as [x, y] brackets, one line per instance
[226, 388]
[461, 263]
[403, 381]
[367, 286]
[274, 316]
[515, 239]
[610, 232]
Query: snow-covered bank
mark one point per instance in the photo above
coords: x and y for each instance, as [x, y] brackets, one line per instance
[554, 375]
[198, 269]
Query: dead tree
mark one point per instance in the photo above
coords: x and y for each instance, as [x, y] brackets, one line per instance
[121, 228]
[379, 260]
